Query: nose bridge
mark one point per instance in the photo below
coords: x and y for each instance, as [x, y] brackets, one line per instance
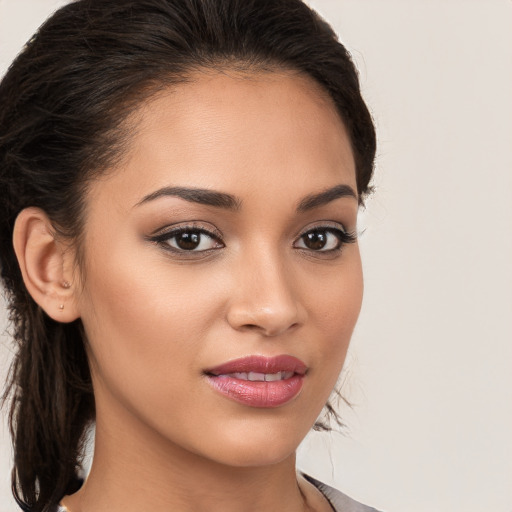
[265, 298]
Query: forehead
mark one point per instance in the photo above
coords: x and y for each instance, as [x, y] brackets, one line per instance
[233, 131]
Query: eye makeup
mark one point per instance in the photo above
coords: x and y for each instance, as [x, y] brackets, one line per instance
[325, 239]
[188, 239]
[198, 239]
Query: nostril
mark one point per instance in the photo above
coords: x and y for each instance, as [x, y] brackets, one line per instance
[270, 330]
[269, 318]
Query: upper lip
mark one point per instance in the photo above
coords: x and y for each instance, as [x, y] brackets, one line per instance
[260, 364]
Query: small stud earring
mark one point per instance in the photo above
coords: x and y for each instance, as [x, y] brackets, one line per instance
[61, 307]
[66, 284]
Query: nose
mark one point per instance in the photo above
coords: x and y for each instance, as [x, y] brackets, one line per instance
[265, 297]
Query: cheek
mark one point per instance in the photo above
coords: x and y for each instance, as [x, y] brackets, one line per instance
[145, 320]
[336, 304]
[136, 290]
[334, 311]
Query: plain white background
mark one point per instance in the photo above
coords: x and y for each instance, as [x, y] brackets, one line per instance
[430, 365]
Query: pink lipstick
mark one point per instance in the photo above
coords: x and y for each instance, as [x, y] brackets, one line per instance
[259, 381]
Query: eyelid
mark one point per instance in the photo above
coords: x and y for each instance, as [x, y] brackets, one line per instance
[326, 225]
[204, 227]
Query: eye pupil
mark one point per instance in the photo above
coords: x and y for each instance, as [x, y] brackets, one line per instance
[315, 240]
[188, 240]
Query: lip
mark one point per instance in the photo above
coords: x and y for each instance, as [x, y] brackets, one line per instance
[262, 394]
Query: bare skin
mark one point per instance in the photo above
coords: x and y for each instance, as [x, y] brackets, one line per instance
[157, 315]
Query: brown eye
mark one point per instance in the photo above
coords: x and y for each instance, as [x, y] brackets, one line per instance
[315, 240]
[324, 240]
[189, 240]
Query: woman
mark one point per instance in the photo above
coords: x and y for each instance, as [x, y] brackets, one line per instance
[180, 180]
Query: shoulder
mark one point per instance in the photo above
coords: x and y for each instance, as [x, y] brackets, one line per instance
[340, 502]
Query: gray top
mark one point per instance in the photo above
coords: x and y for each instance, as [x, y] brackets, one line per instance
[339, 502]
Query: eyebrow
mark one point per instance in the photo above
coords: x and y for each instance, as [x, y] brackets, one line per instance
[196, 195]
[325, 197]
[230, 202]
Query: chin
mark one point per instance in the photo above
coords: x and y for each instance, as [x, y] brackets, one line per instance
[255, 444]
[255, 456]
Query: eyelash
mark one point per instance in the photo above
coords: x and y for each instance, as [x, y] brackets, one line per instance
[162, 239]
[343, 238]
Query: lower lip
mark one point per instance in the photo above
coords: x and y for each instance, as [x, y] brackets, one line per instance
[258, 394]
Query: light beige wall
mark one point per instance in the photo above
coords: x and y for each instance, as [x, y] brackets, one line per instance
[430, 367]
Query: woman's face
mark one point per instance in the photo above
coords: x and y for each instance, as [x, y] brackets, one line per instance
[223, 236]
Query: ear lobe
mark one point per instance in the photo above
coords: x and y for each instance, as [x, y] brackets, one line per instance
[45, 265]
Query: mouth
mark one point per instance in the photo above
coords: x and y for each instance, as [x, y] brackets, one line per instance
[259, 377]
[259, 381]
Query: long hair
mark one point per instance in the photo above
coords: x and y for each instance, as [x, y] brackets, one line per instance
[62, 106]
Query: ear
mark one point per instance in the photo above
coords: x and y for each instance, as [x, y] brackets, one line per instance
[46, 265]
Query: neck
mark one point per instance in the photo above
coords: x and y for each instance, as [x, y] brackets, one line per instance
[135, 469]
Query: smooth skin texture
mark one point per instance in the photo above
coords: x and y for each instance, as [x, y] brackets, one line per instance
[158, 312]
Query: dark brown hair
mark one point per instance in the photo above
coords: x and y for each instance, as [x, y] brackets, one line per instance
[62, 106]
